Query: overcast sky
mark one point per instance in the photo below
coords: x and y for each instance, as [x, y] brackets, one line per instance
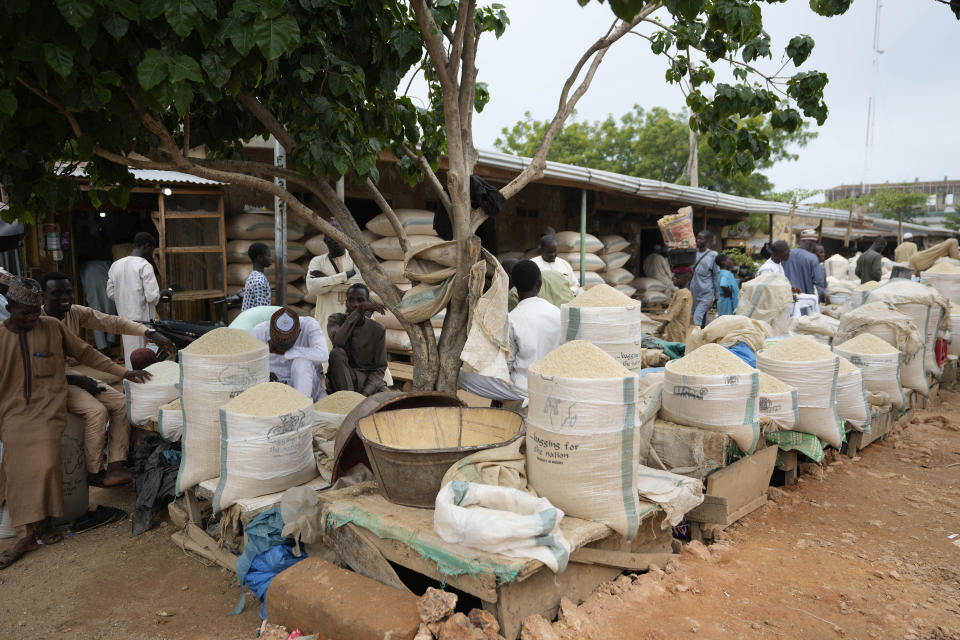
[917, 132]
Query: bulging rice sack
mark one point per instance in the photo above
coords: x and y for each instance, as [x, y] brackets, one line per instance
[592, 261]
[170, 421]
[922, 305]
[581, 444]
[608, 319]
[837, 266]
[614, 244]
[213, 369]
[414, 221]
[266, 443]
[879, 363]
[257, 226]
[569, 242]
[852, 402]
[616, 261]
[779, 407]
[769, 298]
[812, 368]
[713, 389]
[145, 399]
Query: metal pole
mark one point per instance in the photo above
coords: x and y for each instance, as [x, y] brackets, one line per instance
[583, 236]
[340, 190]
[280, 228]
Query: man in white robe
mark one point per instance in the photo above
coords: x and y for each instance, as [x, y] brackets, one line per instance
[132, 285]
[298, 350]
[548, 260]
[781, 253]
[328, 278]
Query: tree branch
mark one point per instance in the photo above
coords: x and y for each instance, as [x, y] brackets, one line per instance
[390, 214]
[431, 177]
[267, 119]
[468, 85]
[433, 40]
[464, 20]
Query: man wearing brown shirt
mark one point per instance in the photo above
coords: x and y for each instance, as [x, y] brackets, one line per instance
[358, 360]
[95, 402]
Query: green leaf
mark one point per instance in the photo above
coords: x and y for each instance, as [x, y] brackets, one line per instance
[830, 7]
[207, 8]
[216, 70]
[181, 16]
[127, 9]
[799, 49]
[116, 25]
[8, 102]
[182, 97]
[273, 37]
[153, 9]
[241, 36]
[185, 68]
[684, 8]
[94, 197]
[341, 164]
[59, 58]
[76, 12]
[153, 69]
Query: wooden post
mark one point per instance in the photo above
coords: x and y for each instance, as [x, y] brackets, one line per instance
[820, 231]
[583, 236]
[793, 210]
[770, 226]
[899, 227]
[846, 238]
[280, 229]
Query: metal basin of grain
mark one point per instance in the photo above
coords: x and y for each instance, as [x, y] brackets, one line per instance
[411, 449]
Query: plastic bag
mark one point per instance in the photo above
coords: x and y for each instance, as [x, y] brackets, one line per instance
[677, 230]
[265, 568]
[301, 515]
[501, 520]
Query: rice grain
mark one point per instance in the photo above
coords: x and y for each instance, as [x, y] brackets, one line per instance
[602, 295]
[340, 403]
[579, 359]
[867, 343]
[710, 360]
[868, 286]
[172, 406]
[268, 399]
[224, 341]
[164, 372]
[944, 267]
[769, 385]
[799, 349]
[846, 366]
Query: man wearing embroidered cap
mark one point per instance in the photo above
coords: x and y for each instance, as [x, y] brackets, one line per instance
[33, 412]
[802, 268]
[298, 348]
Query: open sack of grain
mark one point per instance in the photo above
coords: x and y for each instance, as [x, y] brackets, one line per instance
[779, 404]
[820, 327]
[144, 399]
[328, 415]
[608, 319]
[170, 421]
[884, 321]
[879, 362]
[924, 306]
[852, 403]
[581, 441]
[266, 443]
[214, 368]
[728, 331]
[711, 388]
[812, 369]
[945, 278]
[837, 266]
[769, 298]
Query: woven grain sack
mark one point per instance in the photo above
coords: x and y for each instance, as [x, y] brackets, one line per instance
[582, 445]
[920, 303]
[626, 290]
[727, 401]
[170, 421]
[266, 443]
[614, 243]
[398, 341]
[591, 279]
[779, 407]
[655, 297]
[390, 321]
[615, 329]
[613, 277]
[316, 245]
[769, 298]
[815, 325]
[879, 363]
[896, 329]
[955, 338]
[592, 261]
[394, 270]
[435, 263]
[415, 222]
[424, 301]
[569, 242]
[255, 226]
[852, 402]
[145, 399]
[648, 284]
[615, 260]
[237, 250]
[390, 249]
[728, 331]
[836, 266]
[815, 380]
[213, 369]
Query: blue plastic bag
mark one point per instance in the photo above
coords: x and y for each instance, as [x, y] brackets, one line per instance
[265, 568]
[743, 351]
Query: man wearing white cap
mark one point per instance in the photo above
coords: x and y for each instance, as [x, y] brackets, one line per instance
[298, 348]
[802, 268]
[905, 250]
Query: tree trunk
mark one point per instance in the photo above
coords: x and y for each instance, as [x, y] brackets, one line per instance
[692, 169]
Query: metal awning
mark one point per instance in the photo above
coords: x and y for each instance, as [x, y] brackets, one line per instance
[155, 176]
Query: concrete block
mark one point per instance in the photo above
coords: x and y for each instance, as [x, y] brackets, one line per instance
[318, 597]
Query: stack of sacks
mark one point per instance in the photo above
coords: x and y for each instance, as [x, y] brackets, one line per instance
[839, 290]
[880, 364]
[816, 325]
[418, 223]
[928, 310]
[945, 278]
[651, 291]
[213, 369]
[887, 265]
[779, 408]
[615, 255]
[397, 339]
[713, 389]
[812, 369]
[852, 268]
[582, 445]
[607, 319]
[859, 294]
[896, 329]
[256, 224]
[837, 267]
[568, 248]
[769, 298]
[729, 331]
[265, 442]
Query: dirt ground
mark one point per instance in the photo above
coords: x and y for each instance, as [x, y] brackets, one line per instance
[859, 551]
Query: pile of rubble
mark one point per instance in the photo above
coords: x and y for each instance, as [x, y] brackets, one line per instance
[438, 619]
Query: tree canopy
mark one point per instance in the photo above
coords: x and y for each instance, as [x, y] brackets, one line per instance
[888, 203]
[652, 144]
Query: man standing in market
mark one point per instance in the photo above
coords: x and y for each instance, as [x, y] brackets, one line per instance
[779, 254]
[803, 268]
[95, 402]
[703, 285]
[33, 413]
[358, 360]
[328, 278]
[256, 289]
[132, 284]
[870, 263]
[548, 260]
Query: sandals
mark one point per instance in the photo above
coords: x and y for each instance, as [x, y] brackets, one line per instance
[8, 557]
[50, 537]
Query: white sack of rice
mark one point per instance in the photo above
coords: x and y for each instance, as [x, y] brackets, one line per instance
[922, 305]
[267, 443]
[329, 412]
[607, 319]
[711, 388]
[879, 363]
[144, 399]
[852, 402]
[170, 421]
[812, 369]
[582, 438]
[778, 404]
[769, 298]
[216, 367]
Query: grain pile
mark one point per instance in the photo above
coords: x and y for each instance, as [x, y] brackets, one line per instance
[868, 286]
[165, 373]
[710, 360]
[944, 267]
[769, 384]
[602, 295]
[579, 359]
[846, 366]
[799, 349]
[224, 341]
[340, 403]
[867, 343]
[173, 406]
[267, 399]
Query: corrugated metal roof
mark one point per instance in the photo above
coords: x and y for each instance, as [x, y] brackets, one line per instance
[154, 175]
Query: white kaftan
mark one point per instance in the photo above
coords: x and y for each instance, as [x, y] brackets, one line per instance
[300, 366]
[330, 289]
[132, 285]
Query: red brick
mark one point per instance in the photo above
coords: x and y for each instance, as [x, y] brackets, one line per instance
[318, 597]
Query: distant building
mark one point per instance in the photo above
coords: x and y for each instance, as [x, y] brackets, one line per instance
[944, 194]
